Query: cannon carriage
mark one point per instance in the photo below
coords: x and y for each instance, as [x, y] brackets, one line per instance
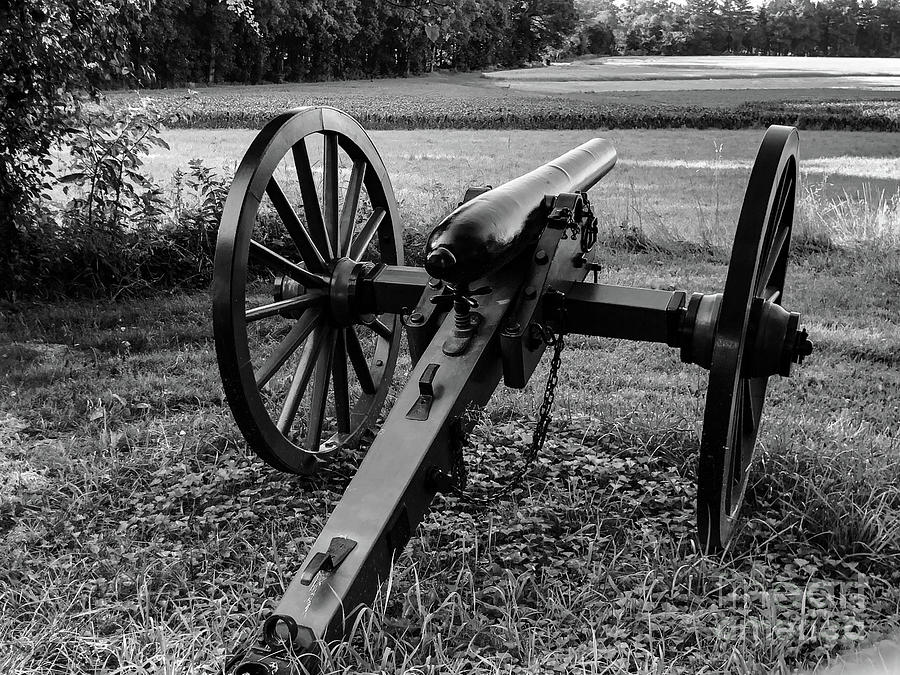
[307, 365]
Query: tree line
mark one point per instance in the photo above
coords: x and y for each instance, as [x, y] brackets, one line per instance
[290, 40]
[777, 27]
[251, 41]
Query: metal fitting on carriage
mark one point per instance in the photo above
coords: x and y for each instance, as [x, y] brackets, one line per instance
[698, 328]
[327, 561]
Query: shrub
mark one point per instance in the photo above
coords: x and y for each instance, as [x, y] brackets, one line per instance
[51, 53]
[119, 231]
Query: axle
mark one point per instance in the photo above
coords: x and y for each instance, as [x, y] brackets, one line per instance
[648, 315]
[674, 318]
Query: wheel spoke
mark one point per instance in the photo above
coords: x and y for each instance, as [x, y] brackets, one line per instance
[361, 243]
[298, 383]
[308, 251]
[747, 415]
[351, 203]
[282, 264]
[300, 302]
[310, 200]
[773, 257]
[756, 392]
[736, 449]
[299, 331]
[341, 386]
[784, 193]
[330, 193]
[319, 396]
[358, 361]
[381, 329]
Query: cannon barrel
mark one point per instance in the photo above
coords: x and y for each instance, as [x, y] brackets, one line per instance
[488, 231]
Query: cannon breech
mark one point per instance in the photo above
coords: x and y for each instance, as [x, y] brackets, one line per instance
[493, 228]
[307, 372]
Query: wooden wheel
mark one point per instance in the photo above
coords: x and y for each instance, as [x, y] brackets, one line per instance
[304, 374]
[738, 379]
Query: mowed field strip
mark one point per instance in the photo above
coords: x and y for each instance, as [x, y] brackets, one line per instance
[678, 183]
[692, 73]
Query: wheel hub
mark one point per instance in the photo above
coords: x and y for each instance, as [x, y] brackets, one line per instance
[342, 290]
[778, 341]
[775, 340]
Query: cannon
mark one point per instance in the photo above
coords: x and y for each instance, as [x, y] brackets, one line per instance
[309, 307]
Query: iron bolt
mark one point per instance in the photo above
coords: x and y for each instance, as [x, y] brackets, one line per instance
[434, 282]
[379, 363]
[512, 328]
[530, 292]
[540, 257]
[803, 347]
[416, 317]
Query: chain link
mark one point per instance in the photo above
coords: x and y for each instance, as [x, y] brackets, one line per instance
[459, 435]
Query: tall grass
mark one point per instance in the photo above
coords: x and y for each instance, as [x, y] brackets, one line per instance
[866, 218]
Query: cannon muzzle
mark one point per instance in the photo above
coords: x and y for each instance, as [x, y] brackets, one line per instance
[487, 232]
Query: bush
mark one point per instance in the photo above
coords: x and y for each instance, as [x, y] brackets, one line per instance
[51, 53]
[119, 231]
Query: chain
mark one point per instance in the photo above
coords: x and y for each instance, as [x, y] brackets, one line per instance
[460, 434]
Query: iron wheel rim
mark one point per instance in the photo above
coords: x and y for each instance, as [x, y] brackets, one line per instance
[328, 342]
[756, 273]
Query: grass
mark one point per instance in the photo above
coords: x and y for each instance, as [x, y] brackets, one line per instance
[849, 178]
[140, 536]
[734, 74]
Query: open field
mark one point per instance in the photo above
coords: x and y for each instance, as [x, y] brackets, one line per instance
[619, 92]
[706, 67]
[691, 73]
[139, 536]
[674, 185]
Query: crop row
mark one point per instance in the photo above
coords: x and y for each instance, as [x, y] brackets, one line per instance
[242, 110]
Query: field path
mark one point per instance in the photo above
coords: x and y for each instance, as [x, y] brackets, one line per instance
[703, 73]
[699, 83]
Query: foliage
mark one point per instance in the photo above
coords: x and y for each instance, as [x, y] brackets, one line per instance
[51, 52]
[119, 230]
[107, 153]
[294, 40]
[777, 27]
[206, 41]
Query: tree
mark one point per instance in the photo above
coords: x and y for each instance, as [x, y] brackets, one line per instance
[706, 34]
[51, 53]
[537, 25]
[737, 20]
